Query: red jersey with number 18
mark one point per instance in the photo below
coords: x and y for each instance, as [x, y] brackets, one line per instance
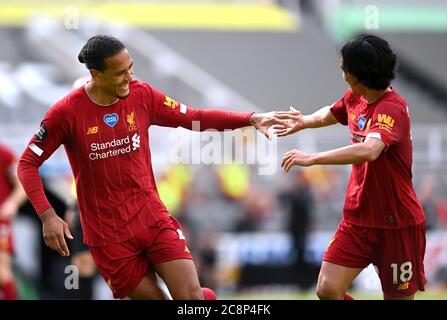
[380, 193]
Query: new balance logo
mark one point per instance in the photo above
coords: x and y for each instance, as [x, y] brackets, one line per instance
[135, 141]
[92, 130]
[403, 286]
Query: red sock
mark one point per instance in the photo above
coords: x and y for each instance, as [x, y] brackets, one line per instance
[348, 297]
[209, 294]
[8, 291]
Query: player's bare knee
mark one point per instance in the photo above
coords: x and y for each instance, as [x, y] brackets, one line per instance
[328, 293]
[326, 290]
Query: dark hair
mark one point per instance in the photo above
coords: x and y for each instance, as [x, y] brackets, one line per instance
[371, 60]
[97, 50]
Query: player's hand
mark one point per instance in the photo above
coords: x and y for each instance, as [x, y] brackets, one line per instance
[54, 231]
[296, 158]
[263, 122]
[293, 122]
[8, 210]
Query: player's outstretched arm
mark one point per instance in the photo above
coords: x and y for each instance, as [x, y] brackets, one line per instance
[167, 112]
[264, 121]
[223, 119]
[295, 121]
[369, 150]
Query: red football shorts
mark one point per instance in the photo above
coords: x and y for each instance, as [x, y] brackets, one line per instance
[124, 264]
[6, 239]
[398, 255]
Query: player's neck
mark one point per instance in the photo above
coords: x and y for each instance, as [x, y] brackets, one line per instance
[98, 96]
[372, 95]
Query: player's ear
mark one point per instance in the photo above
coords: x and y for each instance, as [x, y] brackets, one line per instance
[350, 78]
[95, 74]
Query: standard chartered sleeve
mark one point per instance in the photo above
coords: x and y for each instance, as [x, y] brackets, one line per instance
[51, 134]
[167, 112]
[388, 122]
[338, 109]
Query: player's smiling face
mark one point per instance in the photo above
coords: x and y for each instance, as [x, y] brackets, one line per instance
[116, 77]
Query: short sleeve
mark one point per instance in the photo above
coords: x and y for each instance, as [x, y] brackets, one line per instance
[338, 108]
[388, 122]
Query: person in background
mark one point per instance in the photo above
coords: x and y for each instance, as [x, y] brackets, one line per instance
[11, 197]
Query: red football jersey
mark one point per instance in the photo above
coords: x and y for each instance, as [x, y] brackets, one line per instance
[108, 150]
[7, 159]
[380, 193]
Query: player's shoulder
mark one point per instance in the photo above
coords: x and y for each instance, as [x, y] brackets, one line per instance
[144, 91]
[394, 97]
[394, 101]
[71, 102]
[136, 85]
[141, 86]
